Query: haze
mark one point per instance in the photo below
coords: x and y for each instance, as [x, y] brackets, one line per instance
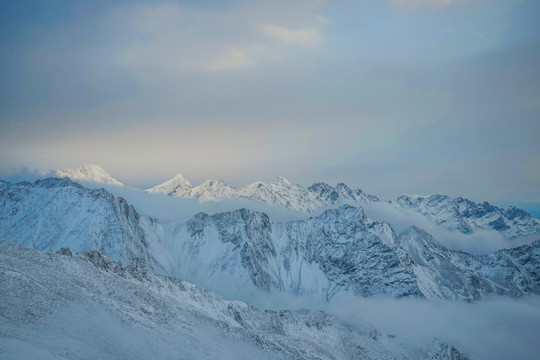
[398, 96]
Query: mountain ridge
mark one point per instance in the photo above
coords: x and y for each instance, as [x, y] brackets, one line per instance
[457, 213]
[338, 252]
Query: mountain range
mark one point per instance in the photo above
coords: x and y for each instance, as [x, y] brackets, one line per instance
[452, 214]
[81, 266]
[341, 252]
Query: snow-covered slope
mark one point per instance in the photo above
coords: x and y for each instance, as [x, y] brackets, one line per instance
[176, 186]
[53, 213]
[280, 192]
[327, 194]
[447, 274]
[467, 216]
[89, 172]
[339, 252]
[92, 308]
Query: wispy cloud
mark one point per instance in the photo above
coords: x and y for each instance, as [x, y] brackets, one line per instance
[172, 38]
[234, 58]
[414, 4]
[309, 37]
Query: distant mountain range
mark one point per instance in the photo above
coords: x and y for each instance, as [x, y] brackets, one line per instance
[458, 214]
[339, 252]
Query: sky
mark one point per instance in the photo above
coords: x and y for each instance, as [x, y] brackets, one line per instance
[396, 96]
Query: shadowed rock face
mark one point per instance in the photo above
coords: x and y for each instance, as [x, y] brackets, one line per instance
[85, 301]
[339, 252]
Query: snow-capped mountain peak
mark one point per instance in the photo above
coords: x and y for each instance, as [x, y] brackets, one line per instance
[181, 180]
[341, 251]
[213, 184]
[280, 192]
[177, 185]
[211, 190]
[281, 181]
[89, 172]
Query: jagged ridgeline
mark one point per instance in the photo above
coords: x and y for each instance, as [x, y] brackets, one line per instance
[341, 252]
[452, 214]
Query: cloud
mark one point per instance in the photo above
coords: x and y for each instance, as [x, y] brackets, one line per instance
[175, 209]
[480, 242]
[234, 59]
[303, 37]
[18, 174]
[496, 328]
[375, 105]
[172, 38]
[414, 4]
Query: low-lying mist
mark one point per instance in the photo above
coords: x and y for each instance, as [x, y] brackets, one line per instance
[176, 209]
[495, 328]
[491, 329]
[480, 242]
[169, 208]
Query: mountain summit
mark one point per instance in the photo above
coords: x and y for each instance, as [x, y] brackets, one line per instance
[177, 186]
[89, 172]
[280, 192]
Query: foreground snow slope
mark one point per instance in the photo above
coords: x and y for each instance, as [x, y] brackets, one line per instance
[341, 252]
[61, 306]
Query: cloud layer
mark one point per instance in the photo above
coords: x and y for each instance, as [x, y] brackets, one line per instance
[388, 100]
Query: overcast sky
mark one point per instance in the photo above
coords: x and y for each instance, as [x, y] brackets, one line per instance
[397, 96]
